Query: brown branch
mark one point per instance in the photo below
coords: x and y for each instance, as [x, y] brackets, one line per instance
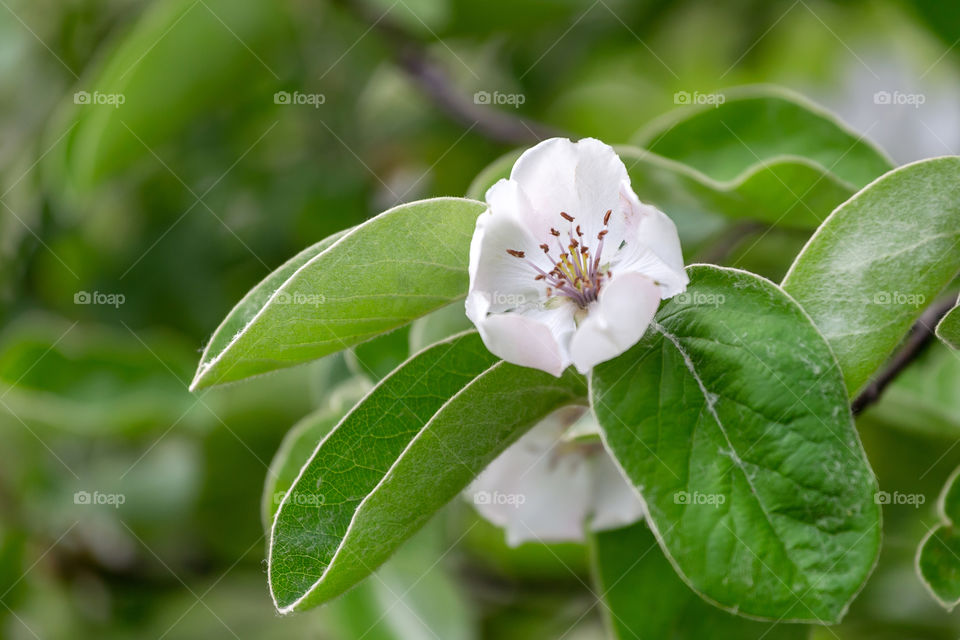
[921, 333]
[432, 80]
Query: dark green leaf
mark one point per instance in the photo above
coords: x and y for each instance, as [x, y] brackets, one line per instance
[644, 599]
[731, 418]
[414, 442]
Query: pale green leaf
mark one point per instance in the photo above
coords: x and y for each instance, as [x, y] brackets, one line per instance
[378, 276]
[938, 558]
[949, 328]
[731, 418]
[765, 154]
[763, 125]
[881, 257]
[413, 596]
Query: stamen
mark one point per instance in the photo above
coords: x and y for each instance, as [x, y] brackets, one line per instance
[576, 273]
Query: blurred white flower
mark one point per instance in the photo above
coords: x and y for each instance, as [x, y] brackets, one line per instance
[567, 266]
[555, 482]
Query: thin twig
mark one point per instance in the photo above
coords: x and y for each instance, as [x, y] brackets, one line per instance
[432, 80]
[921, 333]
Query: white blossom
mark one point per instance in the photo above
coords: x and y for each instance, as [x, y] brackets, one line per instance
[567, 266]
[554, 483]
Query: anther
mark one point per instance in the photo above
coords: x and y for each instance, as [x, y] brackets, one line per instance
[516, 254]
[606, 217]
[566, 216]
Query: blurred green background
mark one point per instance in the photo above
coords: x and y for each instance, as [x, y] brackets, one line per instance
[157, 159]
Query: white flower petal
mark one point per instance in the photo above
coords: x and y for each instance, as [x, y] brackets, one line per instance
[547, 489]
[616, 321]
[508, 281]
[652, 246]
[581, 178]
[532, 491]
[511, 308]
[615, 503]
[532, 337]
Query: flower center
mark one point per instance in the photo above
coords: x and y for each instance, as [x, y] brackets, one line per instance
[576, 273]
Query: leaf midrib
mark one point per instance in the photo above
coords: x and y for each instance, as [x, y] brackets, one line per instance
[738, 463]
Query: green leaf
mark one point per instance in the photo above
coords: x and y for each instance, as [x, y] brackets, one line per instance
[301, 441]
[765, 154]
[380, 275]
[760, 125]
[923, 398]
[938, 558]
[248, 307]
[784, 191]
[499, 168]
[409, 447]
[377, 357]
[731, 418]
[413, 596]
[949, 328]
[643, 599]
[93, 380]
[152, 71]
[437, 326]
[867, 273]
